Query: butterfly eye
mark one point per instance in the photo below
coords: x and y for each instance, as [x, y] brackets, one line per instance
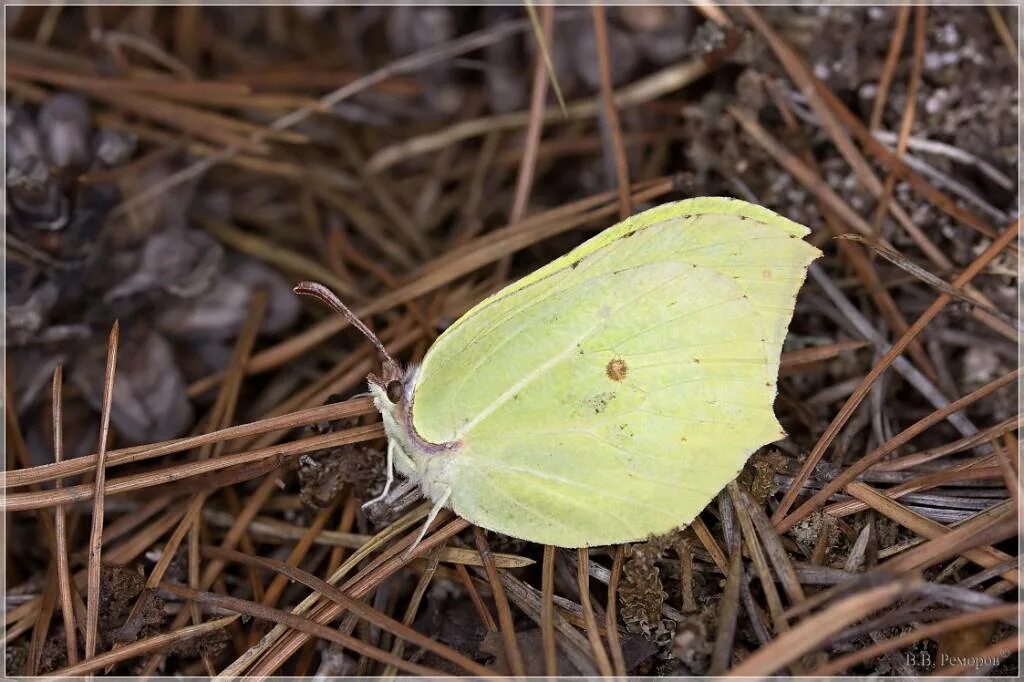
[394, 390]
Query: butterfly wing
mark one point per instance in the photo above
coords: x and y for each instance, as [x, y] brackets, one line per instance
[612, 394]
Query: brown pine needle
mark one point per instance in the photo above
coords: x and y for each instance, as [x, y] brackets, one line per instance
[267, 250]
[987, 528]
[908, 266]
[270, 456]
[310, 604]
[60, 524]
[371, 615]
[474, 595]
[96, 536]
[593, 633]
[513, 655]
[909, 110]
[641, 91]
[143, 646]
[805, 637]
[547, 611]
[412, 608]
[967, 471]
[611, 113]
[410, 64]
[612, 622]
[81, 465]
[44, 617]
[727, 613]
[929, 631]
[393, 559]
[543, 37]
[1006, 470]
[760, 563]
[864, 463]
[792, 362]
[528, 164]
[986, 557]
[280, 582]
[889, 159]
[711, 545]
[713, 12]
[889, 70]
[999, 23]
[844, 414]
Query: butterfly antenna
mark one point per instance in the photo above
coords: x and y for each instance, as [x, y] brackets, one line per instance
[331, 300]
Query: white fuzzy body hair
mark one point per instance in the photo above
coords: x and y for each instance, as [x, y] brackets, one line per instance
[429, 469]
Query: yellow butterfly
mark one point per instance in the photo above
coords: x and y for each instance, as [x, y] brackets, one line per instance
[611, 394]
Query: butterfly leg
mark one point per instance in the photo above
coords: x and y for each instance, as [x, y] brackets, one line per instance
[438, 506]
[391, 477]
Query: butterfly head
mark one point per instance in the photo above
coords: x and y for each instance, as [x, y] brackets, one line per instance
[393, 386]
[392, 393]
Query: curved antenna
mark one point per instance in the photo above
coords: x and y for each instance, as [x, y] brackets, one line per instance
[328, 298]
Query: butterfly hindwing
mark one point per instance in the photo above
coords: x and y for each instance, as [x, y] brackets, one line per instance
[612, 394]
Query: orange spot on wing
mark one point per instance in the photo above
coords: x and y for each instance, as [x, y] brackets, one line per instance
[616, 369]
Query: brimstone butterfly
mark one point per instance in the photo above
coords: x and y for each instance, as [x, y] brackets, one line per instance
[611, 394]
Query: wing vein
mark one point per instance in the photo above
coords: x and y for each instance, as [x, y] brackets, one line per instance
[631, 501]
[555, 359]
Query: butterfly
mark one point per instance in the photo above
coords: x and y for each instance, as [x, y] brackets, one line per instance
[611, 394]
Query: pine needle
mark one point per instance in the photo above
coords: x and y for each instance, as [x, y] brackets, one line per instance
[542, 45]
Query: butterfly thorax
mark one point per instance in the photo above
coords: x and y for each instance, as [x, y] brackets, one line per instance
[415, 458]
